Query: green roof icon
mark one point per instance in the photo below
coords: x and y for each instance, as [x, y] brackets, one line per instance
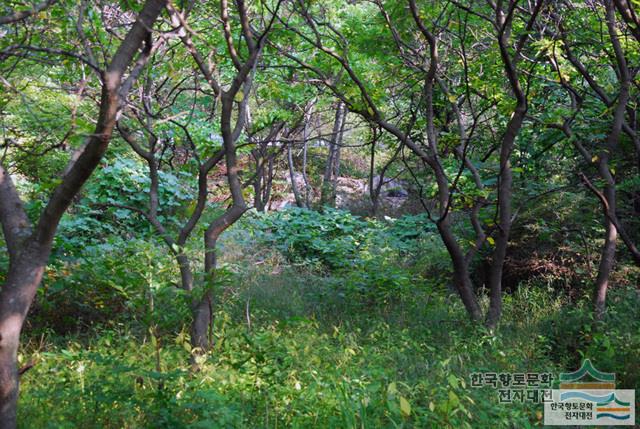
[587, 368]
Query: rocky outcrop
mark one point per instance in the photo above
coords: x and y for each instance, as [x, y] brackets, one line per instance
[352, 194]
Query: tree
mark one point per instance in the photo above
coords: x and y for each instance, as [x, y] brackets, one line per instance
[426, 75]
[602, 155]
[29, 245]
[332, 166]
[232, 99]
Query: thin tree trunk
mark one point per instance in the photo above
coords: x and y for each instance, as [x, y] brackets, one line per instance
[258, 181]
[607, 260]
[327, 192]
[292, 175]
[505, 196]
[374, 191]
[202, 325]
[263, 180]
[609, 205]
[268, 185]
[608, 198]
[336, 159]
[305, 178]
[305, 145]
[505, 178]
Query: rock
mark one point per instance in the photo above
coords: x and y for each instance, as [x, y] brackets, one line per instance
[391, 188]
[397, 193]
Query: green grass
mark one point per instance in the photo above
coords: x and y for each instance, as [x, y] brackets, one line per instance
[320, 365]
[378, 343]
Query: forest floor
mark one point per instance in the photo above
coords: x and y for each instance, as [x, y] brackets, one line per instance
[344, 333]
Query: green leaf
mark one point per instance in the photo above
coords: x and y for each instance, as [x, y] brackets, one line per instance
[405, 407]
[453, 381]
[453, 399]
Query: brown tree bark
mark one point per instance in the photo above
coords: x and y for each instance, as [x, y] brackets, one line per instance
[607, 260]
[202, 323]
[264, 167]
[29, 251]
[308, 189]
[202, 307]
[332, 167]
[505, 179]
[608, 196]
[292, 176]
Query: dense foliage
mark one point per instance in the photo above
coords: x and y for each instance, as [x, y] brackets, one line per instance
[290, 213]
[339, 348]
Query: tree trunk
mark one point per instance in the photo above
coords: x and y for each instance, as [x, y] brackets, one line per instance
[505, 177]
[305, 146]
[259, 181]
[263, 180]
[186, 275]
[29, 253]
[202, 325]
[23, 279]
[336, 167]
[505, 196]
[607, 260]
[374, 191]
[331, 171]
[305, 178]
[461, 276]
[268, 185]
[608, 253]
[292, 175]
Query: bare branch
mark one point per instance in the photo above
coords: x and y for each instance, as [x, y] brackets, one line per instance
[24, 14]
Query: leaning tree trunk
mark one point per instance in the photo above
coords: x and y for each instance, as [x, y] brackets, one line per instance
[608, 199]
[461, 276]
[202, 325]
[607, 258]
[29, 252]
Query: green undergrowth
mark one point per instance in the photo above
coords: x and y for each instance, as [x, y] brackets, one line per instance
[367, 368]
[354, 331]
